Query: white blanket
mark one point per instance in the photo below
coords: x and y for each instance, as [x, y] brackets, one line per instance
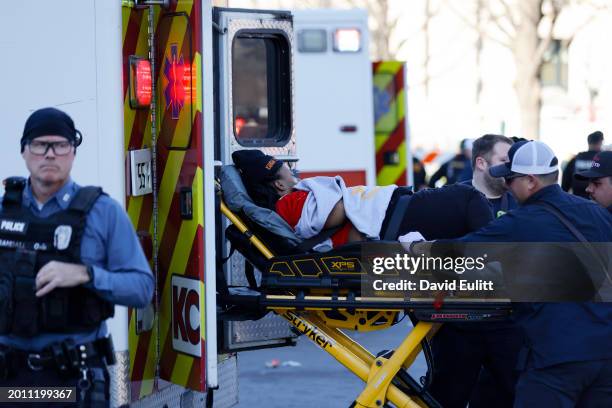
[364, 206]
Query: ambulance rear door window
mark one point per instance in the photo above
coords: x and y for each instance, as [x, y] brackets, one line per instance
[261, 88]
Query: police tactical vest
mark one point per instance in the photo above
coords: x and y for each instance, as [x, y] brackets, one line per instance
[27, 243]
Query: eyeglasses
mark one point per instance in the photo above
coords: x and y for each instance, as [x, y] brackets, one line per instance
[40, 148]
[510, 179]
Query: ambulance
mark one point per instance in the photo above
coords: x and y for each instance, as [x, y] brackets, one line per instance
[351, 116]
[161, 90]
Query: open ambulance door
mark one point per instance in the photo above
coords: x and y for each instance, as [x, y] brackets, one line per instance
[254, 100]
[169, 150]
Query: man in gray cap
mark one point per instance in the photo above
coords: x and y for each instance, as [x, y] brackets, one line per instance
[68, 254]
[599, 177]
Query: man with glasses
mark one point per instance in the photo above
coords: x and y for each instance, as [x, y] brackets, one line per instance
[68, 254]
[566, 360]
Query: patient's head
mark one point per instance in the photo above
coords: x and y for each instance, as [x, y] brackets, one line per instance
[265, 178]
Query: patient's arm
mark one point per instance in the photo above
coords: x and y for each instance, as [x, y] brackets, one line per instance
[355, 236]
[337, 216]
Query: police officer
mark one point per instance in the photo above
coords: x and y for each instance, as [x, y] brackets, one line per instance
[459, 168]
[581, 162]
[567, 359]
[599, 177]
[68, 254]
[476, 363]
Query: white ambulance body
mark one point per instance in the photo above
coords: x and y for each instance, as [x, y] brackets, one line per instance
[333, 95]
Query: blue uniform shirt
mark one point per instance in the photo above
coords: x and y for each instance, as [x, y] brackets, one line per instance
[109, 244]
[557, 332]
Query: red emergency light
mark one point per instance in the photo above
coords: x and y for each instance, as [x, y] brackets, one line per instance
[177, 82]
[141, 83]
[239, 123]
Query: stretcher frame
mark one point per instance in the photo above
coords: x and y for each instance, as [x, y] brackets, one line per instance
[377, 372]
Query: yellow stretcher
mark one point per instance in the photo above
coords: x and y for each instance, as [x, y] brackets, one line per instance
[319, 305]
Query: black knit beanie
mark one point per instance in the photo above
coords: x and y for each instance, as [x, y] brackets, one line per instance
[50, 122]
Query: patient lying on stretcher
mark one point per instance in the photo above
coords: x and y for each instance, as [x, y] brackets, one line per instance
[315, 204]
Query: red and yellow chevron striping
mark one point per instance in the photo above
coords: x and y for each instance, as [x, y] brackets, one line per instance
[179, 165]
[389, 124]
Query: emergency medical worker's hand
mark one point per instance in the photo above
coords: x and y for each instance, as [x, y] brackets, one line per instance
[60, 275]
[409, 238]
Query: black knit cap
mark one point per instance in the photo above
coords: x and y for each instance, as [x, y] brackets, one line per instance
[50, 122]
[255, 165]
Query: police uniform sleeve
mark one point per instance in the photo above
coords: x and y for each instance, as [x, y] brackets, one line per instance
[120, 269]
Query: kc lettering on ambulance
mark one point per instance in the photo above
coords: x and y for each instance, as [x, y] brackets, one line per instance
[185, 316]
[171, 39]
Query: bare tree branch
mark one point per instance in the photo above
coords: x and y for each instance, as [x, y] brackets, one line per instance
[509, 13]
[354, 3]
[525, 13]
[400, 45]
[392, 24]
[497, 21]
[463, 18]
[505, 42]
[586, 22]
[546, 41]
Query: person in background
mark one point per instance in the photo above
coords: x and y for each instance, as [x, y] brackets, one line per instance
[477, 363]
[491, 150]
[566, 360]
[599, 177]
[420, 176]
[458, 169]
[581, 162]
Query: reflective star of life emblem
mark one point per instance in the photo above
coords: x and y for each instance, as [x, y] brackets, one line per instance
[382, 103]
[174, 71]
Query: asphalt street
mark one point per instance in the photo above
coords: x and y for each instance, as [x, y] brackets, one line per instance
[306, 376]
